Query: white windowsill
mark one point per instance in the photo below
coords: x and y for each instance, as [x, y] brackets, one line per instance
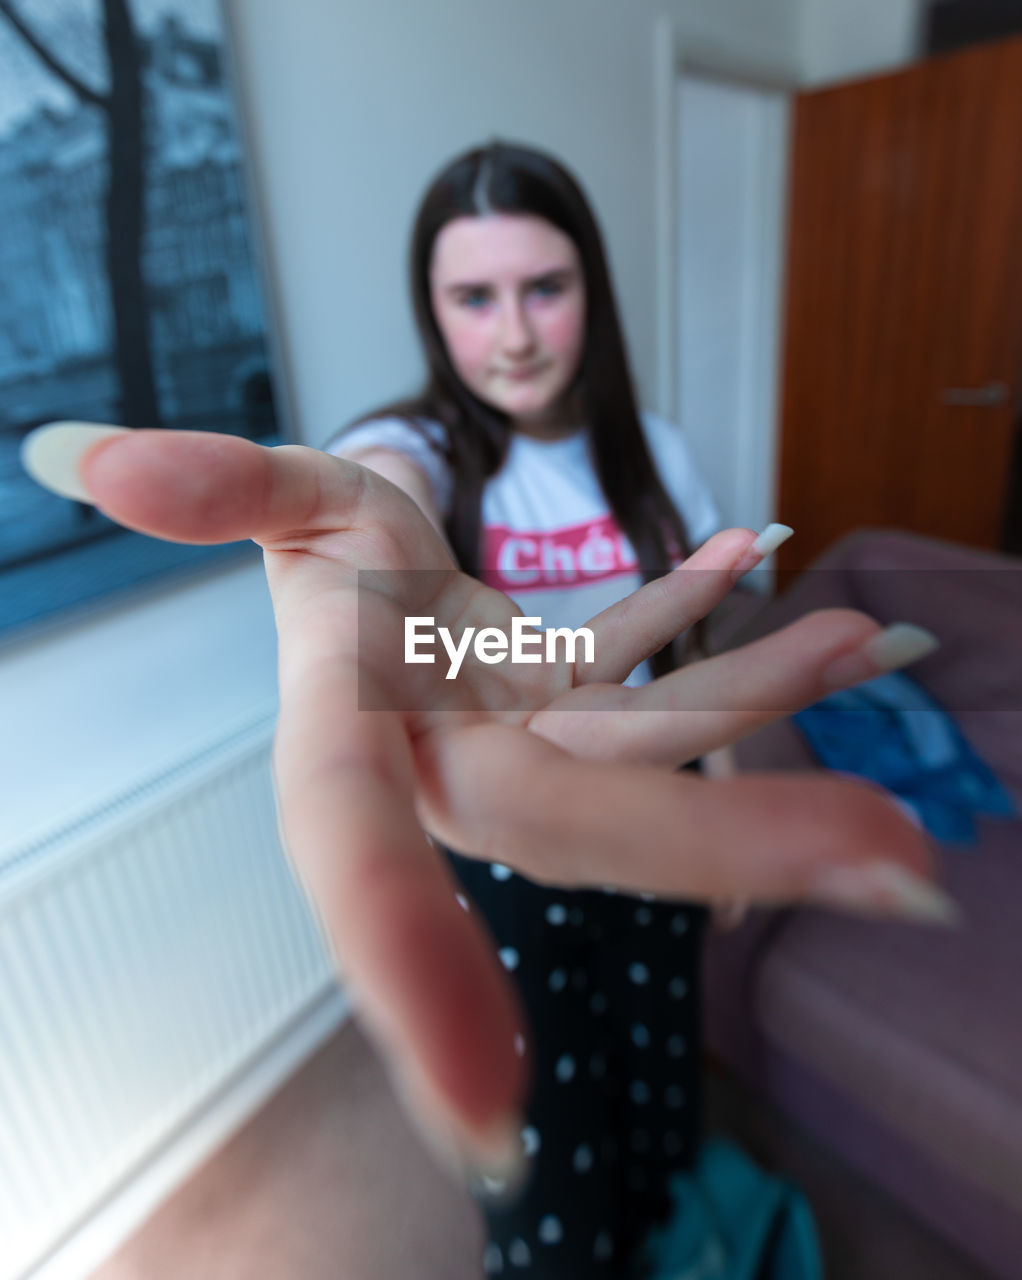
[92, 708]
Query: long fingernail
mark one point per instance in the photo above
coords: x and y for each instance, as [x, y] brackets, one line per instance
[885, 889]
[766, 543]
[491, 1163]
[496, 1169]
[51, 454]
[895, 646]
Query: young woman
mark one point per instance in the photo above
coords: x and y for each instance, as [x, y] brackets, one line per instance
[525, 455]
[527, 449]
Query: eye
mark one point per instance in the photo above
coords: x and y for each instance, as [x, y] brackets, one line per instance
[549, 288]
[473, 299]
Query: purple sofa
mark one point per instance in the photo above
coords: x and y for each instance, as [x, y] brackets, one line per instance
[900, 1046]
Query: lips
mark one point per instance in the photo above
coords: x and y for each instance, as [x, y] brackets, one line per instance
[523, 375]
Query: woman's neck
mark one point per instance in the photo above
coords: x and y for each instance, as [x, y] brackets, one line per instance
[557, 423]
[559, 430]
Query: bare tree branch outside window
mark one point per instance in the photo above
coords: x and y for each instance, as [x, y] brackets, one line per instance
[129, 291]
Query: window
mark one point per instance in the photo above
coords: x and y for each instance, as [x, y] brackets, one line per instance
[185, 361]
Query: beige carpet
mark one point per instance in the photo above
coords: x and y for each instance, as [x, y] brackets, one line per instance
[328, 1182]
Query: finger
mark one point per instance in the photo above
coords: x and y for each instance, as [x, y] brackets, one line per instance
[770, 838]
[740, 692]
[638, 626]
[423, 971]
[200, 487]
[720, 700]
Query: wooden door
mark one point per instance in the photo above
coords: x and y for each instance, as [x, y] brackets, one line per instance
[903, 353]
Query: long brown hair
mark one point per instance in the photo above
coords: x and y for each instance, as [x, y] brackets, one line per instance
[504, 178]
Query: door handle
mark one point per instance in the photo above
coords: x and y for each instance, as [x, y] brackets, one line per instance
[988, 397]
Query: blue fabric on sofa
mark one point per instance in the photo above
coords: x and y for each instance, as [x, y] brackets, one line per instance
[893, 732]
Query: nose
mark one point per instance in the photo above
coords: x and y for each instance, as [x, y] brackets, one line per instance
[516, 334]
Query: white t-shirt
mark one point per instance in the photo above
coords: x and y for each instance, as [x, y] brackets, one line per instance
[549, 538]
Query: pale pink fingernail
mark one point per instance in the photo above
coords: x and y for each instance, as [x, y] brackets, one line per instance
[766, 543]
[896, 646]
[884, 889]
[51, 454]
[490, 1162]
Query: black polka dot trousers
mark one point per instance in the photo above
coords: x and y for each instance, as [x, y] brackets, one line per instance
[610, 985]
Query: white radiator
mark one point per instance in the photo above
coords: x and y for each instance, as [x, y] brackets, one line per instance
[148, 956]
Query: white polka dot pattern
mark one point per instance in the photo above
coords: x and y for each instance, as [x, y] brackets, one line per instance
[638, 1091]
[531, 1140]
[607, 982]
[582, 1160]
[565, 1068]
[550, 1229]
[603, 1247]
[519, 1254]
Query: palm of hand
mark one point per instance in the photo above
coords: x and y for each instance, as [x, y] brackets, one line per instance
[346, 593]
[519, 764]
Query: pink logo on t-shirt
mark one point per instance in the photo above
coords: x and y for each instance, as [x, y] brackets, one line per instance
[517, 560]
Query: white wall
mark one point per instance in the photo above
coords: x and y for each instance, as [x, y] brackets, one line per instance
[354, 107]
[351, 107]
[844, 39]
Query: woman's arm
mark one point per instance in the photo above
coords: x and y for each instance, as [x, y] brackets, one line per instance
[356, 787]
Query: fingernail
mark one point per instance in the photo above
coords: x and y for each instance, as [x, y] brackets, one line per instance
[730, 915]
[496, 1166]
[766, 543]
[895, 646]
[885, 889]
[491, 1163]
[51, 454]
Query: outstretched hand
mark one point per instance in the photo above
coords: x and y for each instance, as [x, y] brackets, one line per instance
[555, 769]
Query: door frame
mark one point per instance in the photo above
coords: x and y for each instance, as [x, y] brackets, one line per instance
[675, 58]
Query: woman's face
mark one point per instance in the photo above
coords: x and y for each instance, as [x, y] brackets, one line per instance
[509, 298]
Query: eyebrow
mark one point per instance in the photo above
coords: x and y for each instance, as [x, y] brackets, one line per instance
[544, 277]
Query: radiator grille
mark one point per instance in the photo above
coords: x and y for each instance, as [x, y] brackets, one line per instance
[147, 955]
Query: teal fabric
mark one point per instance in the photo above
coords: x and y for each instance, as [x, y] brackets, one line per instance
[732, 1221]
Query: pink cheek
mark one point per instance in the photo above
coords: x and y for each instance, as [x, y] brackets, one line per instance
[470, 354]
[469, 347]
[562, 330]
